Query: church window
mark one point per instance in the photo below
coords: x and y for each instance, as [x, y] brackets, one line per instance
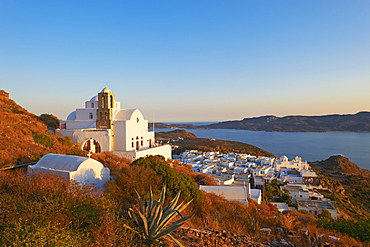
[101, 116]
[137, 138]
[92, 146]
[103, 101]
[97, 147]
[111, 101]
[106, 116]
[91, 115]
[142, 144]
[92, 105]
[132, 143]
[137, 120]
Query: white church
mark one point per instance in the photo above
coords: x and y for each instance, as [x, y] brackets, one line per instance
[81, 169]
[103, 126]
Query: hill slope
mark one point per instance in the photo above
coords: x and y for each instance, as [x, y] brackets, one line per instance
[24, 138]
[187, 141]
[349, 184]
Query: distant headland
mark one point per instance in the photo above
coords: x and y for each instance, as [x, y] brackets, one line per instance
[359, 122]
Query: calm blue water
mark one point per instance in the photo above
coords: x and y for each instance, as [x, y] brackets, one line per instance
[195, 123]
[311, 146]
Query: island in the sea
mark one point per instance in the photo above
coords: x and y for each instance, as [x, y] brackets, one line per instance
[359, 122]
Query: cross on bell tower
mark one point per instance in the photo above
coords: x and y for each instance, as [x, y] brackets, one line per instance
[105, 109]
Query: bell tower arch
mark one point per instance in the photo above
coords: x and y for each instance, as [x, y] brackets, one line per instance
[105, 109]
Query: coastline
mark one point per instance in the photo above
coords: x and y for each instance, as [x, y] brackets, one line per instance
[311, 146]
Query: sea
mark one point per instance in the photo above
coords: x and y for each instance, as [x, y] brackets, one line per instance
[311, 146]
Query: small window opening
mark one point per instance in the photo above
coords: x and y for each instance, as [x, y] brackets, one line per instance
[111, 101]
[103, 101]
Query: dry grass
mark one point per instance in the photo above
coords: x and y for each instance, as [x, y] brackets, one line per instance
[18, 131]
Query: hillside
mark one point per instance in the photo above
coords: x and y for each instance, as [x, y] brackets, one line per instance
[174, 134]
[349, 184]
[186, 141]
[359, 122]
[48, 210]
[24, 137]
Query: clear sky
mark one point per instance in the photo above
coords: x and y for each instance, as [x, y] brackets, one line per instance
[188, 60]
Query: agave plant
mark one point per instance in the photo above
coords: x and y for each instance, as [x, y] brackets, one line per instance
[154, 220]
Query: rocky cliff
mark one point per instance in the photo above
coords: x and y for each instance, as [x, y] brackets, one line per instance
[349, 185]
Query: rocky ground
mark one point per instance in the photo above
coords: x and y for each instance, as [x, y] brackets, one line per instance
[207, 237]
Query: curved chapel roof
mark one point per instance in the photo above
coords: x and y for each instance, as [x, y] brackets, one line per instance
[128, 114]
[60, 162]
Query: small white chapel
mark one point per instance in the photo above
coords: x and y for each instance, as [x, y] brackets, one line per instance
[103, 126]
[81, 169]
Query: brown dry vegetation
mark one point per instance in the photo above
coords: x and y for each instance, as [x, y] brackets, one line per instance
[24, 138]
[47, 210]
[113, 162]
[349, 185]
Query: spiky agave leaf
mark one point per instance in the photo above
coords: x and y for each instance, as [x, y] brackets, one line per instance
[139, 201]
[171, 214]
[155, 211]
[157, 217]
[175, 240]
[173, 202]
[153, 217]
[173, 226]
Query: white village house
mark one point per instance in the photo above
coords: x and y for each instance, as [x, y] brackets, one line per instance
[81, 169]
[103, 126]
[234, 193]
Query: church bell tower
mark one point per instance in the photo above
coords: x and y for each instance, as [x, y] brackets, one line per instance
[105, 109]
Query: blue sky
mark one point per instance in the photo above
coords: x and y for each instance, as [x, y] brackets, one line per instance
[188, 60]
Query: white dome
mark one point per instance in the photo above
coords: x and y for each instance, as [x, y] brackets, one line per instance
[106, 90]
[72, 116]
[126, 114]
[95, 98]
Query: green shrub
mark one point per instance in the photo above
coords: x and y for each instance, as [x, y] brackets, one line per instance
[174, 180]
[83, 214]
[44, 140]
[67, 141]
[40, 234]
[356, 229]
[51, 121]
[303, 211]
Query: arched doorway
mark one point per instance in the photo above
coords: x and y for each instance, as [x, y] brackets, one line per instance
[92, 145]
